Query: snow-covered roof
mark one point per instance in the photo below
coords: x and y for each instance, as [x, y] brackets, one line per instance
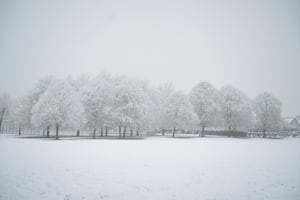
[295, 120]
[288, 119]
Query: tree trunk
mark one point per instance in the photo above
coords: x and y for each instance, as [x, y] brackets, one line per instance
[20, 131]
[174, 130]
[202, 131]
[106, 131]
[94, 133]
[78, 133]
[131, 132]
[48, 131]
[56, 132]
[163, 131]
[101, 131]
[124, 131]
[264, 133]
[137, 132]
[1, 118]
[229, 128]
[120, 130]
[233, 132]
[0, 125]
[229, 131]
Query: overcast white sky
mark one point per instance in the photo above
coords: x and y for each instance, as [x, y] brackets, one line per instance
[252, 45]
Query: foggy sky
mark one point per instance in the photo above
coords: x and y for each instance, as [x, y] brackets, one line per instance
[251, 45]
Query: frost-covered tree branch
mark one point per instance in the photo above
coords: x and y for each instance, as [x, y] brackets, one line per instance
[110, 102]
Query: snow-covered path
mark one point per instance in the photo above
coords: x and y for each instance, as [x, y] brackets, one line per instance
[154, 168]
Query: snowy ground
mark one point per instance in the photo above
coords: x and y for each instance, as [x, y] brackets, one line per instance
[153, 168]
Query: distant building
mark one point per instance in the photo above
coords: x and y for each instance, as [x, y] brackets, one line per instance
[293, 123]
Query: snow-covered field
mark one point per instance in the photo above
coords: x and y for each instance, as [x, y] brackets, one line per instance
[153, 168]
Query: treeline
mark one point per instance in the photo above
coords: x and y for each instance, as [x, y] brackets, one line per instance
[108, 101]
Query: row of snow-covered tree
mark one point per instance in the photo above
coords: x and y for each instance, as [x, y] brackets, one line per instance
[104, 102]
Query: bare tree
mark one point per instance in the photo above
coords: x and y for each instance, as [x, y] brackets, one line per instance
[268, 112]
[59, 107]
[205, 100]
[236, 108]
[5, 103]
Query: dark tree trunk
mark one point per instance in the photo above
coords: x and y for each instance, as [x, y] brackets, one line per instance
[163, 131]
[229, 131]
[20, 131]
[94, 133]
[124, 131]
[174, 131]
[106, 131]
[264, 133]
[229, 128]
[101, 131]
[131, 132]
[120, 130]
[56, 132]
[48, 131]
[201, 134]
[1, 118]
[137, 132]
[0, 125]
[233, 132]
[78, 133]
